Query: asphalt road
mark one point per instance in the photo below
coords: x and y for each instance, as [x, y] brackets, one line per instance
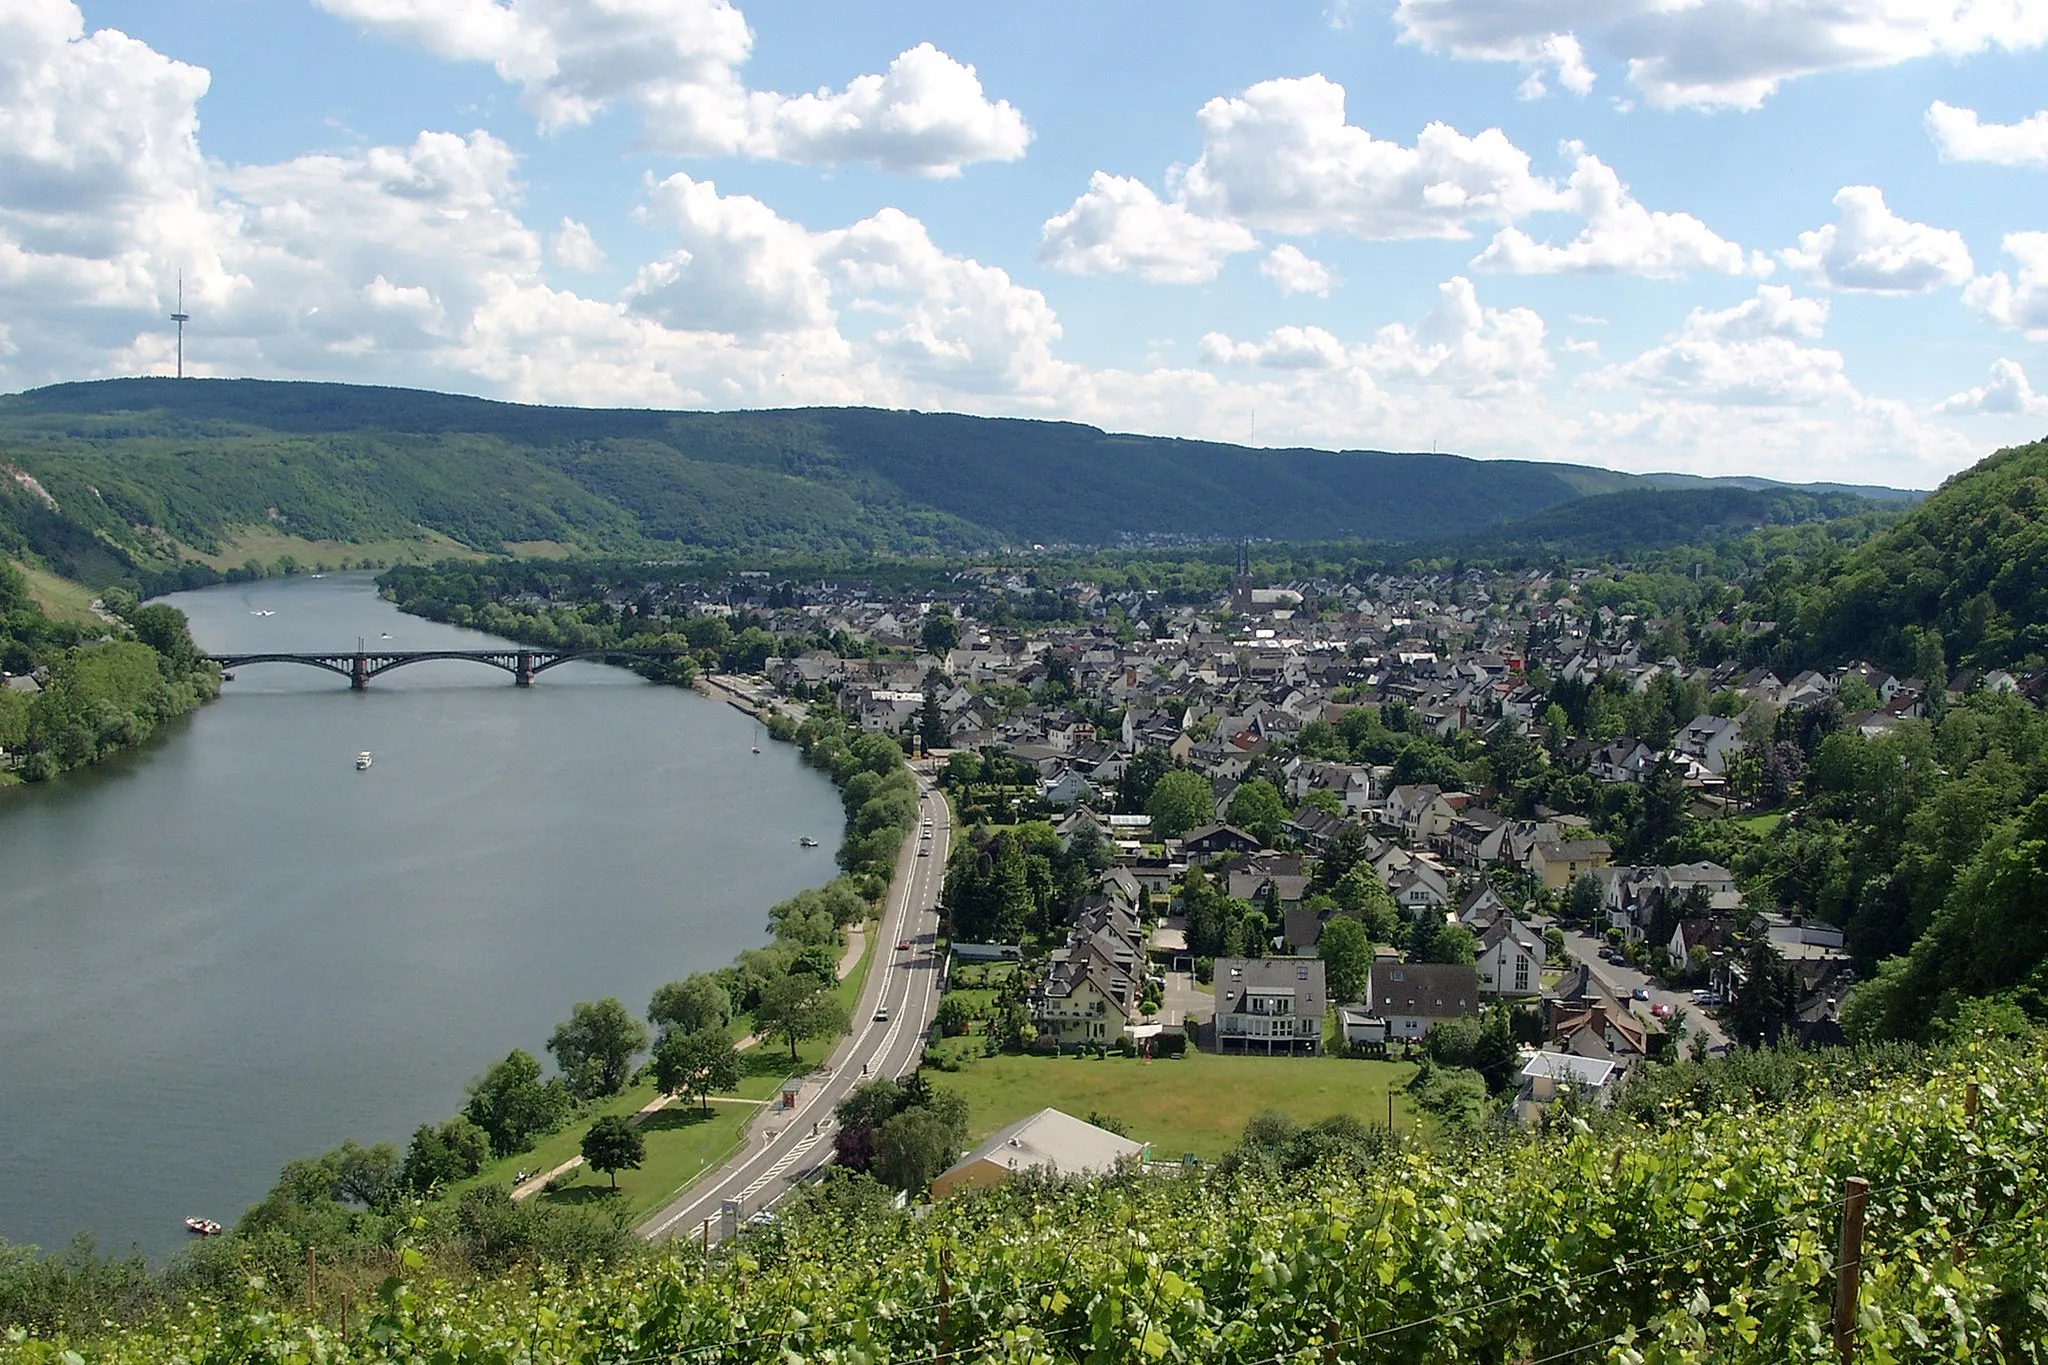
[783, 1148]
[1622, 980]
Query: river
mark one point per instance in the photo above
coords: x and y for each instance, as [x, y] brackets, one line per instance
[231, 948]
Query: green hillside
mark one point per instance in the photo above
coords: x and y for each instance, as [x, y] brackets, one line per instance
[1610, 525]
[1970, 564]
[143, 471]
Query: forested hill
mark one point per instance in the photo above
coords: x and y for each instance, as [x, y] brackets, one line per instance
[143, 469]
[1965, 573]
[1618, 525]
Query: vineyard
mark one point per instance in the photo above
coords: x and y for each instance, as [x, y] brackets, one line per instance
[1708, 1236]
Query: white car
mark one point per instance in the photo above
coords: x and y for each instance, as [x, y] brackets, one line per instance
[882, 1014]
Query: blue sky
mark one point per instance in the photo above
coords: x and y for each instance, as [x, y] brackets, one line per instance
[1806, 239]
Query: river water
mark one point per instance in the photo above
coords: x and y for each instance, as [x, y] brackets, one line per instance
[232, 948]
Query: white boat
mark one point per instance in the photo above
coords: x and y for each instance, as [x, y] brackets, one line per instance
[808, 842]
[204, 1227]
[757, 748]
[363, 760]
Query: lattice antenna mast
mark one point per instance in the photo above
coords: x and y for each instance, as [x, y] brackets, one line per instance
[181, 317]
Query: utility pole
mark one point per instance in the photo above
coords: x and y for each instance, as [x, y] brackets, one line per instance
[181, 317]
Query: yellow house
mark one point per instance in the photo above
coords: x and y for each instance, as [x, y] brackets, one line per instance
[1558, 865]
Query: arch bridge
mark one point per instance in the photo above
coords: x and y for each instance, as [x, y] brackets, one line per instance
[361, 665]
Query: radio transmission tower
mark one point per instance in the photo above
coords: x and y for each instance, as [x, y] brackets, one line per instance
[181, 317]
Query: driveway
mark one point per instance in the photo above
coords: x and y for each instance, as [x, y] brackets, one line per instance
[1621, 980]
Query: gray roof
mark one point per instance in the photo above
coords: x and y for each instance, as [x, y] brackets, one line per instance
[1424, 990]
[1301, 977]
[1054, 1141]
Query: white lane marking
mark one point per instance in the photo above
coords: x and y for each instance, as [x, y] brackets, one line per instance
[906, 910]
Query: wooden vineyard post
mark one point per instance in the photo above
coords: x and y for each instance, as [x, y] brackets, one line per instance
[1970, 1104]
[945, 1307]
[1849, 1266]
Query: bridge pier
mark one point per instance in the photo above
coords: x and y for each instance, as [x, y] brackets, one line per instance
[359, 673]
[523, 676]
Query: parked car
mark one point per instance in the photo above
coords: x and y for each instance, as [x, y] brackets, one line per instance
[1704, 997]
[1660, 1011]
[1640, 993]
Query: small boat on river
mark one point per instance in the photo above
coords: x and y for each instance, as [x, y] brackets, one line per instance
[203, 1227]
[808, 842]
[363, 761]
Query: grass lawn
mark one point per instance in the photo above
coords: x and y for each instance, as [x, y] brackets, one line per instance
[1762, 824]
[60, 598]
[683, 1142]
[1198, 1103]
[266, 545]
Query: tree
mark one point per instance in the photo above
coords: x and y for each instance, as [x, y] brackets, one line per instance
[438, 1157]
[1362, 895]
[1768, 997]
[1347, 959]
[1256, 808]
[941, 632]
[1182, 800]
[797, 1007]
[695, 1003]
[1586, 897]
[1452, 943]
[696, 1064]
[1141, 775]
[613, 1145]
[513, 1106]
[911, 1147]
[596, 1045]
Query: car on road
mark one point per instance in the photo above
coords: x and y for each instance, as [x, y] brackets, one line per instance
[924, 853]
[1660, 1011]
[1640, 993]
[902, 945]
[882, 1014]
[1704, 997]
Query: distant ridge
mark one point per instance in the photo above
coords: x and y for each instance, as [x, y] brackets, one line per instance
[141, 467]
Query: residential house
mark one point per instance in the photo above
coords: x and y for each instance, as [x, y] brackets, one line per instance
[1557, 865]
[1414, 997]
[1271, 1004]
[1510, 958]
[1048, 1142]
[1548, 1075]
[1712, 741]
[1213, 839]
[1620, 760]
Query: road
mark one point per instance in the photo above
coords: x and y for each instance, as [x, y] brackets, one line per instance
[1621, 981]
[783, 1148]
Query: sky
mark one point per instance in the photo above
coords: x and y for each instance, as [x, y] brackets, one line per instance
[1806, 239]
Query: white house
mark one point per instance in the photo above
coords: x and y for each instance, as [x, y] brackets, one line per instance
[1510, 959]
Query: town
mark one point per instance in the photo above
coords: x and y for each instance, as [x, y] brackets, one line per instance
[1503, 791]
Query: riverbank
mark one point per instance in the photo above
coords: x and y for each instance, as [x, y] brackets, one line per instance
[77, 692]
[512, 851]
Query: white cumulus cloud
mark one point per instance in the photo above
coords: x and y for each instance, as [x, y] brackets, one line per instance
[573, 247]
[1119, 225]
[676, 63]
[1281, 156]
[1773, 311]
[1621, 237]
[1722, 54]
[1296, 272]
[2008, 394]
[2022, 302]
[1960, 136]
[1872, 249]
[1475, 350]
